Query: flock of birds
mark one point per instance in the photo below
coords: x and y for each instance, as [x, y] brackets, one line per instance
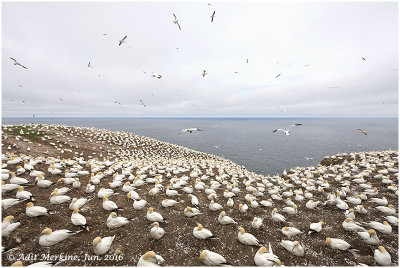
[146, 180]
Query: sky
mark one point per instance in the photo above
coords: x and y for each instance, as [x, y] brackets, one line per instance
[316, 48]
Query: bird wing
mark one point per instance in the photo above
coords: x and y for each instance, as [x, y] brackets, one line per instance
[179, 26]
[174, 16]
[278, 129]
[14, 59]
[123, 39]
[294, 125]
[277, 75]
[142, 103]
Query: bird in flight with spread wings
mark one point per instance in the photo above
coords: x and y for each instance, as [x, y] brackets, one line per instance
[287, 132]
[17, 63]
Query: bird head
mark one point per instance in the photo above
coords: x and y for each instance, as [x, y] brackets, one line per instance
[241, 230]
[240, 206]
[199, 227]
[8, 219]
[261, 250]
[76, 210]
[29, 204]
[113, 215]
[96, 240]
[128, 195]
[328, 240]
[371, 232]
[382, 249]
[223, 213]
[203, 255]
[322, 222]
[277, 262]
[285, 228]
[47, 231]
[386, 223]
[20, 188]
[189, 209]
[105, 197]
[150, 210]
[148, 255]
[349, 220]
[17, 263]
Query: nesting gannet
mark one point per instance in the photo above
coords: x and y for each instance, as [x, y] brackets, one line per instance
[169, 202]
[293, 247]
[316, 227]
[36, 211]
[336, 243]
[102, 245]
[50, 238]
[194, 200]
[382, 257]
[109, 205]
[266, 258]
[9, 202]
[113, 221]
[256, 223]
[392, 220]
[383, 228]
[191, 212]
[156, 232]
[8, 187]
[139, 204]
[214, 206]
[78, 202]
[223, 219]
[243, 208]
[154, 216]
[150, 258]
[189, 130]
[9, 226]
[102, 192]
[176, 21]
[122, 40]
[369, 237]
[202, 233]
[277, 217]
[350, 225]
[58, 199]
[290, 231]
[389, 210]
[17, 63]
[287, 132]
[247, 238]
[290, 210]
[78, 219]
[212, 259]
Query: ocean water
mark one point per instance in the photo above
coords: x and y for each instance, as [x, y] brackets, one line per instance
[249, 141]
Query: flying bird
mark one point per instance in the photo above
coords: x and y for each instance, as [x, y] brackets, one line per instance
[142, 103]
[122, 40]
[283, 109]
[212, 16]
[90, 66]
[247, 60]
[236, 72]
[20, 85]
[362, 131]
[363, 58]
[17, 63]
[287, 132]
[156, 75]
[117, 102]
[176, 22]
[144, 72]
[60, 99]
[104, 33]
[204, 73]
[33, 115]
[278, 75]
[190, 130]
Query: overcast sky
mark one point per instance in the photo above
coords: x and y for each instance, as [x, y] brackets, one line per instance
[317, 48]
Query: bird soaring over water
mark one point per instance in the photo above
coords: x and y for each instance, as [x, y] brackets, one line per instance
[287, 132]
[362, 131]
[190, 130]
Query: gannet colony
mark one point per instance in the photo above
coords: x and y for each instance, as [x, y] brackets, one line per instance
[74, 196]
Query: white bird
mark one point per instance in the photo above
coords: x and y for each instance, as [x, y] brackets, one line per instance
[9, 226]
[243, 208]
[380, 201]
[382, 257]
[139, 204]
[50, 238]
[223, 219]
[311, 204]
[392, 220]
[202, 233]
[78, 219]
[176, 22]
[316, 227]
[22, 194]
[210, 258]
[277, 217]
[154, 216]
[194, 200]
[9, 202]
[256, 223]
[169, 202]
[336, 243]
[350, 225]
[266, 258]
[122, 40]
[291, 210]
[191, 212]
[369, 237]
[290, 231]
[113, 221]
[189, 130]
[58, 199]
[389, 210]
[293, 247]
[383, 228]
[150, 258]
[103, 191]
[109, 205]
[157, 232]
[102, 245]
[78, 202]
[214, 206]
[286, 132]
[36, 211]
[247, 238]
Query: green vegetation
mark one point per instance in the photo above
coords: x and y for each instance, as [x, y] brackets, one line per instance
[29, 134]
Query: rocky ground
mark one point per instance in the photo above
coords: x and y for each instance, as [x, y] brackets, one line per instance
[178, 246]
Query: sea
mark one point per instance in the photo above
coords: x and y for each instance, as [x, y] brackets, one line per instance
[250, 141]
